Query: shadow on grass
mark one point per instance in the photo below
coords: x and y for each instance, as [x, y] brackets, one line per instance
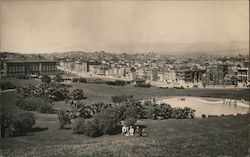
[38, 129]
[30, 132]
[65, 128]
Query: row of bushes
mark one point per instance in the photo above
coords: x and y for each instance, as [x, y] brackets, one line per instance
[128, 107]
[13, 125]
[114, 83]
[80, 109]
[152, 110]
[35, 104]
[52, 91]
[7, 85]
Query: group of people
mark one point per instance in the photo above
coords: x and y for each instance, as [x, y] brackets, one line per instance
[230, 101]
[133, 131]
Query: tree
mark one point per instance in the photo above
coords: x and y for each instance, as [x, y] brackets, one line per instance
[77, 94]
[64, 119]
[46, 79]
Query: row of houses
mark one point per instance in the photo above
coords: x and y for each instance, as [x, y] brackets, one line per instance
[219, 74]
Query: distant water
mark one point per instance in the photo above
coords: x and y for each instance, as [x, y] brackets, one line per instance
[207, 106]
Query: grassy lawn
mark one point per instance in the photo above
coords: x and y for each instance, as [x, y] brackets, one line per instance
[103, 92]
[198, 137]
[218, 136]
[21, 82]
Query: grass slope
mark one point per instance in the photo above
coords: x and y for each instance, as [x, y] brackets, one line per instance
[224, 136]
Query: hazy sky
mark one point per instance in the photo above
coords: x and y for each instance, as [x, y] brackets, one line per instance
[48, 26]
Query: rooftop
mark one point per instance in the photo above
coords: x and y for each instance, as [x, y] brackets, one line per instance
[29, 60]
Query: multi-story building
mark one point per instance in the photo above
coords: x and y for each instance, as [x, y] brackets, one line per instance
[154, 74]
[16, 68]
[170, 76]
[215, 75]
[242, 75]
[189, 76]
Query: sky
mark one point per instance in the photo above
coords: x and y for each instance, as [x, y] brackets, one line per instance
[55, 26]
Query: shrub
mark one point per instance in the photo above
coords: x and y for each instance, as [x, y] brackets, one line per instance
[46, 108]
[107, 121]
[58, 78]
[35, 104]
[185, 113]
[46, 79]
[79, 126]
[82, 80]
[121, 98]
[77, 94]
[91, 128]
[64, 118]
[12, 125]
[30, 103]
[7, 124]
[25, 122]
[75, 80]
[130, 121]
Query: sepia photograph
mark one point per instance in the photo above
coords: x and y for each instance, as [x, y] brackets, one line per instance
[125, 78]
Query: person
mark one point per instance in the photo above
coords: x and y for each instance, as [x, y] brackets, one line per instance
[124, 130]
[127, 132]
[131, 131]
[144, 133]
[137, 131]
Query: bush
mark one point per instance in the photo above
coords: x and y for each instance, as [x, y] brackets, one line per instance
[7, 124]
[185, 113]
[25, 122]
[46, 79]
[64, 118]
[82, 80]
[7, 85]
[121, 98]
[77, 94]
[75, 80]
[19, 124]
[46, 108]
[107, 120]
[79, 126]
[58, 78]
[35, 104]
[91, 128]
[130, 121]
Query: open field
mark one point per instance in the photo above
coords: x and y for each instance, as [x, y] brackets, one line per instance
[221, 136]
[103, 92]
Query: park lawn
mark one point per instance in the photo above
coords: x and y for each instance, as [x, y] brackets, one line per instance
[103, 92]
[218, 136]
[188, 137]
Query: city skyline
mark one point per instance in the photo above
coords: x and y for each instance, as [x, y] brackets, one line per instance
[58, 26]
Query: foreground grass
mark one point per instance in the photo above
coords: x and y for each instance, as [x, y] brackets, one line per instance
[224, 136]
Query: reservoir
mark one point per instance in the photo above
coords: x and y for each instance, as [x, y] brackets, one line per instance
[208, 106]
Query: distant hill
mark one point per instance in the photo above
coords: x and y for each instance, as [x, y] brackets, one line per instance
[218, 48]
[182, 48]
